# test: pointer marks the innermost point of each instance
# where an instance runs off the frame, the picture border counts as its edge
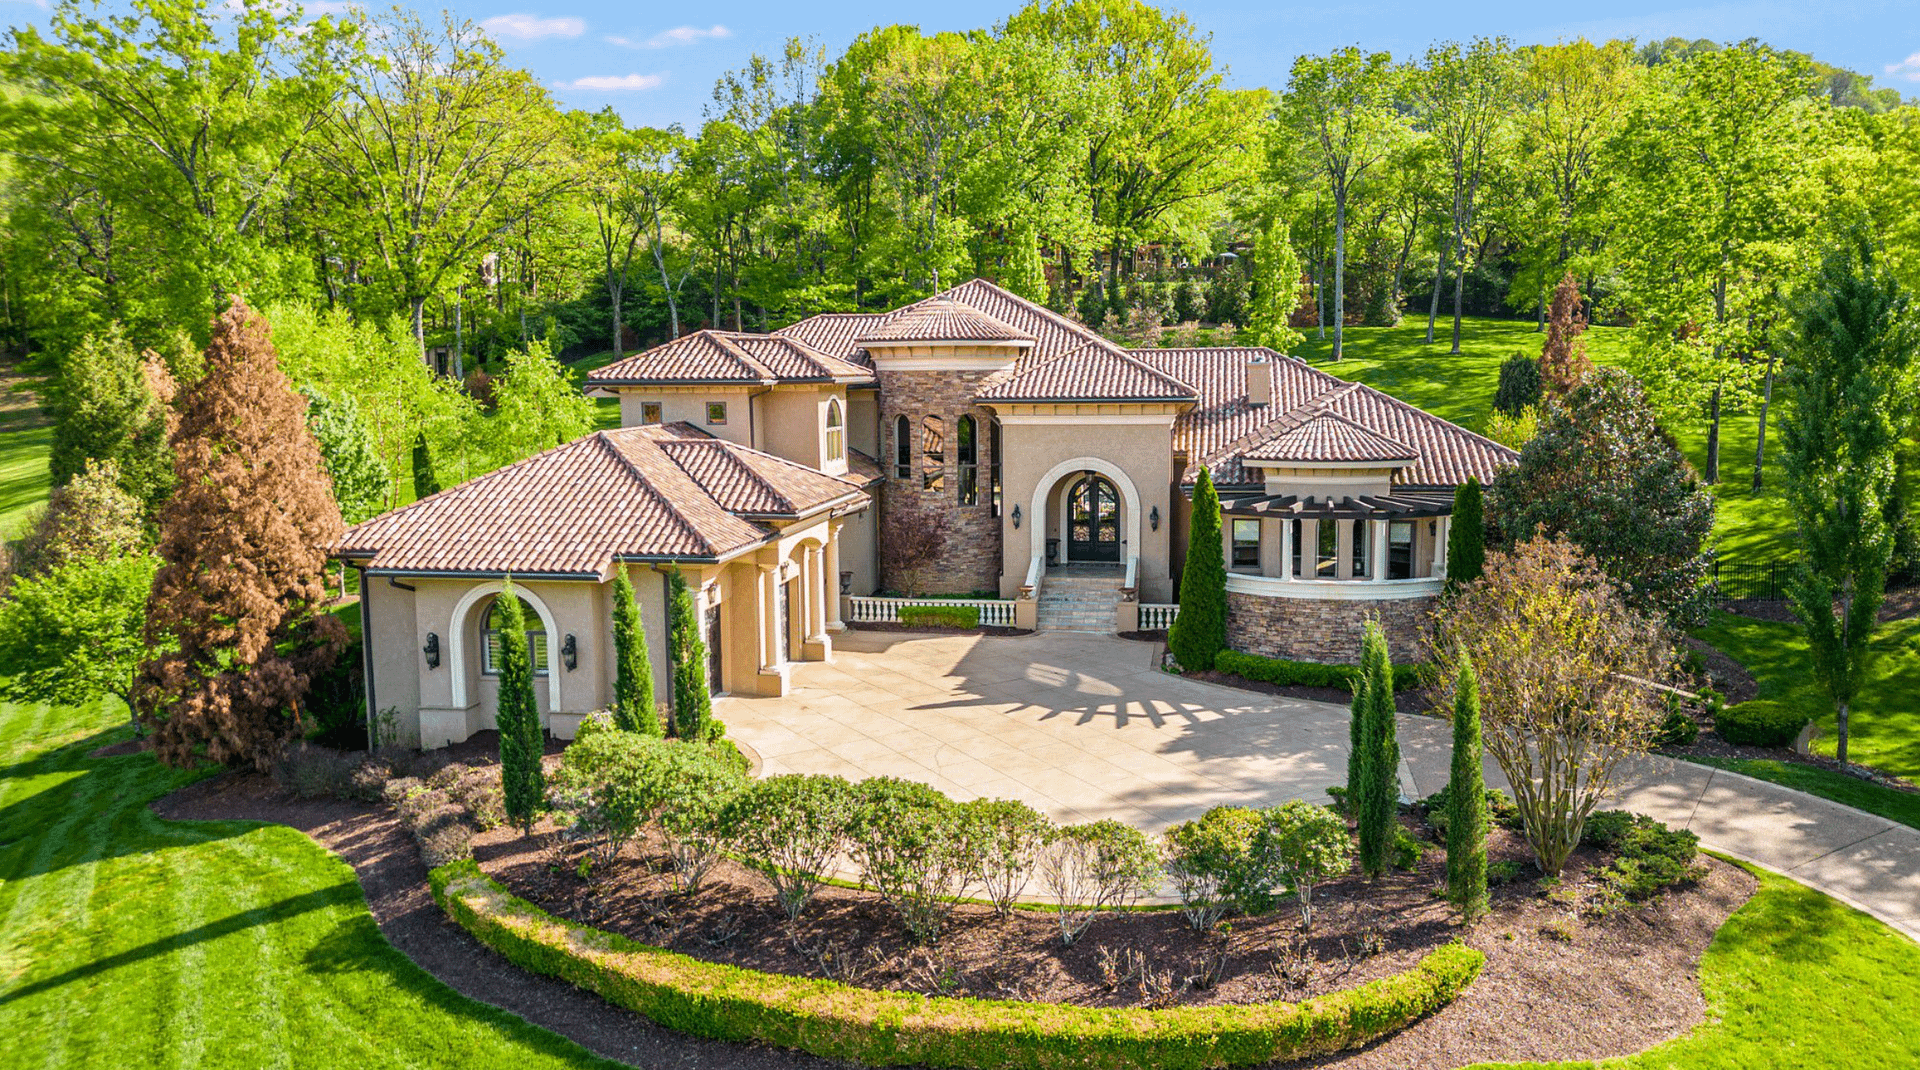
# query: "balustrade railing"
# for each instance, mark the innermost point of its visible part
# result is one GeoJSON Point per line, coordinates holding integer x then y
{"type": "Point", "coordinates": [994, 612]}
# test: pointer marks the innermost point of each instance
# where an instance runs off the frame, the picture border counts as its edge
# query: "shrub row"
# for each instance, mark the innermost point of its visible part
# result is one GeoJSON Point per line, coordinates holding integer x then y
{"type": "Point", "coordinates": [885, 1028]}
{"type": "Point", "coordinates": [1306, 673]}
{"type": "Point", "coordinates": [940, 616]}
{"type": "Point", "coordinates": [1760, 723]}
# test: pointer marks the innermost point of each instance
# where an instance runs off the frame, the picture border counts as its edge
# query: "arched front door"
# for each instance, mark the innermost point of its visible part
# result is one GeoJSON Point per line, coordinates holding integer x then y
{"type": "Point", "coordinates": [1093, 520]}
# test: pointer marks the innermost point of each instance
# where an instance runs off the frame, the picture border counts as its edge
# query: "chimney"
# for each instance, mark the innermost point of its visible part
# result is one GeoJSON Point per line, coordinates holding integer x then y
{"type": "Point", "coordinates": [1259, 381]}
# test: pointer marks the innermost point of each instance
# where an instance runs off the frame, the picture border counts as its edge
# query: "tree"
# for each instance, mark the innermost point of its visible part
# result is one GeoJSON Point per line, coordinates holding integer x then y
{"type": "Point", "coordinates": [436, 152]}
{"type": "Point", "coordinates": [1519, 388]}
{"type": "Point", "coordinates": [536, 405]}
{"type": "Point", "coordinates": [1564, 669]}
{"type": "Point", "coordinates": [1378, 799]}
{"type": "Point", "coordinates": [632, 183]}
{"type": "Point", "coordinates": [235, 617]}
{"type": "Point", "coordinates": [1199, 632]}
{"type": "Point", "coordinates": [692, 701]}
{"type": "Point", "coordinates": [522, 778]}
{"type": "Point", "coordinates": [1343, 104]}
{"type": "Point", "coordinates": [423, 481]}
{"type": "Point", "coordinates": [633, 707]}
{"type": "Point", "coordinates": [1850, 349]}
{"type": "Point", "coordinates": [361, 482]}
{"type": "Point", "coordinates": [1716, 178]}
{"type": "Point", "coordinates": [1460, 97]}
{"type": "Point", "coordinates": [89, 519]}
{"type": "Point", "coordinates": [104, 409]}
{"type": "Point", "coordinates": [1563, 359]}
{"type": "Point", "coordinates": [1603, 473]}
{"type": "Point", "coordinates": [1466, 535]}
{"type": "Point", "coordinates": [1467, 800]}
{"type": "Point", "coordinates": [1308, 844]}
{"type": "Point", "coordinates": [75, 631]}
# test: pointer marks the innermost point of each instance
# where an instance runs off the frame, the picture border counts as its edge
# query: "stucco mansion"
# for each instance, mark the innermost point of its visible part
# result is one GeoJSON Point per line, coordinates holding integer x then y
{"type": "Point", "coordinates": [1012, 456]}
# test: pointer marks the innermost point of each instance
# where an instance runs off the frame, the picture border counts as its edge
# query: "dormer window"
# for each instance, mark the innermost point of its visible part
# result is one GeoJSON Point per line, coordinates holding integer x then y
{"type": "Point", "coordinates": [836, 431]}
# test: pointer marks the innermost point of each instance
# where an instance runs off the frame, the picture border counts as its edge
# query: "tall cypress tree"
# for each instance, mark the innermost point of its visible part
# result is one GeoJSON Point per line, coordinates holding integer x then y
{"type": "Point", "coordinates": [1467, 802]}
{"type": "Point", "coordinates": [1853, 338]}
{"type": "Point", "coordinates": [522, 780]}
{"type": "Point", "coordinates": [633, 708]}
{"type": "Point", "coordinates": [692, 701]}
{"type": "Point", "coordinates": [1380, 768]}
{"type": "Point", "coordinates": [1199, 633]}
{"type": "Point", "coordinates": [1466, 535]}
{"type": "Point", "coordinates": [424, 482]}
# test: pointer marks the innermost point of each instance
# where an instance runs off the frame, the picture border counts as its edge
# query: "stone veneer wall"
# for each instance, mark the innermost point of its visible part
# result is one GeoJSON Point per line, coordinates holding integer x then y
{"type": "Point", "coordinates": [970, 561]}
{"type": "Point", "coordinates": [1301, 629]}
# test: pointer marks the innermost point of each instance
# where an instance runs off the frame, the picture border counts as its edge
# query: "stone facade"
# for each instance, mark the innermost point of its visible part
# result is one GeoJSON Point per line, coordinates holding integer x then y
{"type": "Point", "coordinates": [1302, 629]}
{"type": "Point", "coordinates": [970, 559]}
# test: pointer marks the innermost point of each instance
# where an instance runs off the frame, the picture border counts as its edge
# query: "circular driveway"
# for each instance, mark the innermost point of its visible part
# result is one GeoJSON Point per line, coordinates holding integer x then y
{"type": "Point", "coordinates": [1080, 727]}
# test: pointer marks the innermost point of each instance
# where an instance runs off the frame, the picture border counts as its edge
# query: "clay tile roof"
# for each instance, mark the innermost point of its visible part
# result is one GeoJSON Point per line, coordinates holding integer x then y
{"type": "Point", "coordinates": [1097, 371]}
{"type": "Point", "coordinates": [1326, 436]}
{"type": "Point", "coordinates": [1218, 430]}
{"type": "Point", "coordinates": [660, 491]}
{"type": "Point", "coordinates": [835, 333]}
{"type": "Point", "coordinates": [729, 357]}
{"type": "Point", "coordinates": [941, 319]}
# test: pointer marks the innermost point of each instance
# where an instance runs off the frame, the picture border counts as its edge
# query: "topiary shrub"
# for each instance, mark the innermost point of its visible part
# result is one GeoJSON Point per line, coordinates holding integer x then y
{"type": "Point", "coordinates": [1519, 384]}
{"type": "Point", "coordinates": [1283, 673]}
{"type": "Point", "coordinates": [1007, 837]}
{"type": "Point", "coordinates": [1095, 867]}
{"type": "Point", "coordinates": [1210, 859]}
{"type": "Point", "coordinates": [940, 616]}
{"type": "Point", "coordinates": [608, 786]}
{"type": "Point", "coordinates": [1761, 723]}
{"type": "Point", "coordinates": [788, 829]}
{"type": "Point", "coordinates": [695, 784]}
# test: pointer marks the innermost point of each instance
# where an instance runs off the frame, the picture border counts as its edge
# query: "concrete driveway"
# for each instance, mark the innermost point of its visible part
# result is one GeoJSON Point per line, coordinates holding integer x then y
{"type": "Point", "coordinates": [1078, 726]}
{"type": "Point", "coordinates": [1083, 727]}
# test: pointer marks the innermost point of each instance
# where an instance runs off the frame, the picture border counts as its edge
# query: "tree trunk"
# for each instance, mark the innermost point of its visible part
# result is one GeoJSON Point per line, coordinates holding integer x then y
{"type": "Point", "coordinates": [1320, 297]}
{"type": "Point", "coordinates": [617, 353]}
{"type": "Point", "coordinates": [1760, 449]}
{"type": "Point", "coordinates": [1842, 712]}
{"type": "Point", "coordinates": [1439, 277]}
{"type": "Point", "coordinates": [1339, 276]}
{"type": "Point", "coordinates": [1540, 314]}
{"type": "Point", "coordinates": [418, 312]}
{"type": "Point", "coordinates": [459, 331]}
{"type": "Point", "coordinates": [1459, 292]}
{"type": "Point", "coordinates": [1712, 474]}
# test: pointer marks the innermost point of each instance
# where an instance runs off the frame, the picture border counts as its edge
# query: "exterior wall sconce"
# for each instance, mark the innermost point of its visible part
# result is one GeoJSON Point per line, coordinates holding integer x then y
{"type": "Point", "coordinates": [432, 650]}
{"type": "Point", "coordinates": [570, 653]}
{"type": "Point", "coordinates": [1153, 518]}
{"type": "Point", "coordinates": [1016, 516]}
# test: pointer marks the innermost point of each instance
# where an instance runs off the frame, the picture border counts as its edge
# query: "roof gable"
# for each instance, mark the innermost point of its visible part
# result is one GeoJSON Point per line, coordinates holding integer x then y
{"type": "Point", "coordinates": [710, 356]}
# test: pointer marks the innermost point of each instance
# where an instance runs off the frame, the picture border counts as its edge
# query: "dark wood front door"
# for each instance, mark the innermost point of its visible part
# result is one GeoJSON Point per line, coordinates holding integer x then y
{"type": "Point", "coordinates": [714, 683]}
{"type": "Point", "coordinates": [1093, 520]}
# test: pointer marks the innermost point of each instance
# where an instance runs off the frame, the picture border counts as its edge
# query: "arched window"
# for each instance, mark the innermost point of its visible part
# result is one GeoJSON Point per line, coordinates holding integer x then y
{"type": "Point", "coordinates": [902, 448]}
{"type": "Point", "coordinates": [933, 453]}
{"type": "Point", "coordinates": [993, 463]}
{"type": "Point", "coordinates": [490, 638]}
{"type": "Point", "coordinates": [836, 432]}
{"type": "Point", "coordinates": [966, 446]}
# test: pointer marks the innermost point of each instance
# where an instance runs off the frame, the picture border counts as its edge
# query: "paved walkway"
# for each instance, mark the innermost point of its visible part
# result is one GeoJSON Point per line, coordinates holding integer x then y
{"type": "Point", "coordinates": [1084, 727]}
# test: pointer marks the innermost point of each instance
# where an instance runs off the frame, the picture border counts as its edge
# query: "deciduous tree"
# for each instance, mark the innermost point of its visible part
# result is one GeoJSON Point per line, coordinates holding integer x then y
{"type": "Point", "coordinates": [1563, 358]}
{"type": "Point", "coordinates": [104, 409]}
{"type": "Point", "coordinates": [235, 617]}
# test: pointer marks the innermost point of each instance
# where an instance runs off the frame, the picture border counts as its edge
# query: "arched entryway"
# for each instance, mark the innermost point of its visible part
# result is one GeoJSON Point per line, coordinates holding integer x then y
{"type": "Point", "coordinates": [1052, 510]}
{"type": "Point", "coordinates": [1093, 519]}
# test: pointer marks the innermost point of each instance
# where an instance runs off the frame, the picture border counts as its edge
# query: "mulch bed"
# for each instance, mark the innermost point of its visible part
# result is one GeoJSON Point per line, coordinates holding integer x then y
{"type": "Point", "coordinates": [1558, 983]}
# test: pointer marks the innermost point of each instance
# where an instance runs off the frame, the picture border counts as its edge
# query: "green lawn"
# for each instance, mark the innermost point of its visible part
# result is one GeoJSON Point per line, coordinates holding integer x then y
{"type": "Point", "coordinates": [1886, 720]}
{"type": "Point", "coordinates": [1460, 388]}
{"type": "Point", "coordinates": [132, 941]}
{"type": "Point", "coordinates": [23, 476]}
{"type": "Point", "coordinates": [1795, 979]}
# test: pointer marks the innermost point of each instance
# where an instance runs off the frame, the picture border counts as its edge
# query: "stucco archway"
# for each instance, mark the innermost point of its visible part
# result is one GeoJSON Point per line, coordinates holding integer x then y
{"type": "Point", "coordinates": [457, 640]}
{"type": "Point", "coordinates": [1129, 503]}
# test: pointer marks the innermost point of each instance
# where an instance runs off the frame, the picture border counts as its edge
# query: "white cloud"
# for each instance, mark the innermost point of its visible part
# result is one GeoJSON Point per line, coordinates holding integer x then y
{"type": "Point", "coordinates": [532, 27]}
{"type": "Point", "coordinates": [616, 81]}
{"type": "Point", "coordinates": [679, 35]}
{"type": "Point", "coordinates": [1908, 68]}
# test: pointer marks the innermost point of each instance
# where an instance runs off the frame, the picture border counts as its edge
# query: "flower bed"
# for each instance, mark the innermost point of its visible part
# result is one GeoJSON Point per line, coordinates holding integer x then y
{"type": "Point", "coordinates": [885, 1028]}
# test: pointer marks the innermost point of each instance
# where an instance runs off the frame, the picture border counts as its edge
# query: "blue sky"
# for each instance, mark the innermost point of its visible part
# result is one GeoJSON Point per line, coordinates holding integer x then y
{"type": "Point", "coordinates": [656, 63]}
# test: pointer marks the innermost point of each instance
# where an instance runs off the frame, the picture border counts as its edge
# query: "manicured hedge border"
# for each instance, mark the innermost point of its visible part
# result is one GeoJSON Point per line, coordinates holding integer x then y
{"type": "Point", "coordinates": [1306, 673]}
{"type": "Point", "coordinates": [898, 1028]}
{"type": "Point", "coordinates": [939, 616]}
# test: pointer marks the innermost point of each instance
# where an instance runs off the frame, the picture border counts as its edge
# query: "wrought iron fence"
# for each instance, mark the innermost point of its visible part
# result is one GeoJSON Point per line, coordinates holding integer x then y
{"type": "Point", "coordinates": [1761, 581]}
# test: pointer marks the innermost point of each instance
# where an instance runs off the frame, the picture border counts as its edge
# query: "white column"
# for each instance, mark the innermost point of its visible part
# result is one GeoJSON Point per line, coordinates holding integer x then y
{"type": "Point", "coordinates": [817, 593]}
{"type": "Point", "coordinates": [767, 591]}
{"type": "Point", "coordinates": [832, 579]}
{"type": "Point", "coordinates": [1377, 549]}
{"type": "Point", "coordinates": [1286, 549]}
{"type": "Point", "coordinates": [1444, 532]}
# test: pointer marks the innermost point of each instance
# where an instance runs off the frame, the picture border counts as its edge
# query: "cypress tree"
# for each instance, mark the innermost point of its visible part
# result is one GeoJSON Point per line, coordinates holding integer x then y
{"type": "Point", "coordinates": [1199, 633]}
{"type": "Point", "coordinates": [633, 708]}
{"type": "Point", "coordinates": [1357, 750]}
{"type": "Point", "coordinates": [1379, 785]}
{"type": "Point", "coordinates": [692, 702]}
{"type": "Point", "coordinates": [522, 780]}
{"type": "Point", "coordinates": [423, 481]}
{"type": "Point", "coordinates": [1467, 802]}
{"type": "Point", "coordinates": [1466, 535]}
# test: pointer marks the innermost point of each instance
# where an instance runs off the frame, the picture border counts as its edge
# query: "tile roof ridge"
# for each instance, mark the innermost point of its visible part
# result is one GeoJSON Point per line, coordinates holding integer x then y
{"type": "Point", "coordinates": [732, 451]}
{"type": "Point", "coordinates": [463, 485]}
{"type": "Point", "coordinates": [1064, 322]}
{"type": "Point", "coordinates": [729, 344]}
{"type": "Point", "coordinates": [1422, 414]}
{"type": "Point", "coordinates": [646, 486]}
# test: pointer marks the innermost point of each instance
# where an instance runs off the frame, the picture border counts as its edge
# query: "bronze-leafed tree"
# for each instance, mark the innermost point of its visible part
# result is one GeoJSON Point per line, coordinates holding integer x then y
{"type": "Point", "coordinates": [236, 606]}
{"type": "Point", "coordinates": [1563, 359]}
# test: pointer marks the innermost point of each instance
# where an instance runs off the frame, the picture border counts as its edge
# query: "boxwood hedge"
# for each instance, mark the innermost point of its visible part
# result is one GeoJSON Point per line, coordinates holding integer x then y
{"type": "Point", "coordinates": [940, 616]}
{"type": "Point", "coordinates": [882, 1028]}
{"type": "Point", "coordinates": [1306, 673]}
